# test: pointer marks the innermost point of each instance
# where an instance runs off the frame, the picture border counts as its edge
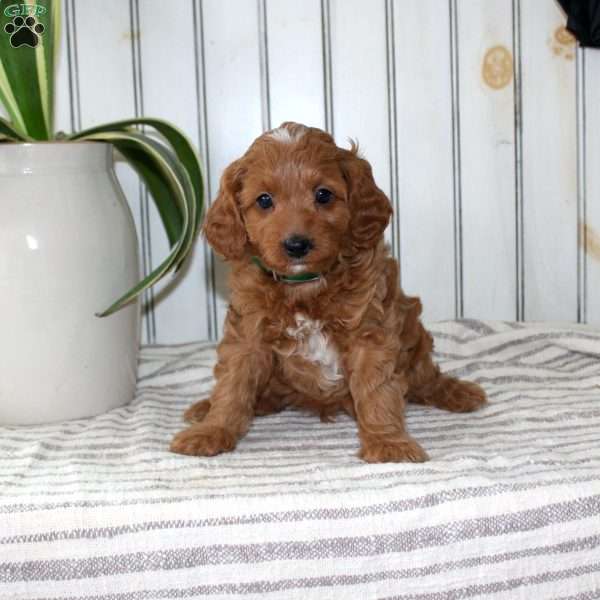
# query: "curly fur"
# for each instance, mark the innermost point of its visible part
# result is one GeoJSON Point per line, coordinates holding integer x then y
{"type": "Point", "coordinates": [351, 340]}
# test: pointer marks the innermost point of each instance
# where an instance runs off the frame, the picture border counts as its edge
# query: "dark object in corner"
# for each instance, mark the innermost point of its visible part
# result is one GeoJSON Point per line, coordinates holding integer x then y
{"type": "Point", "coordinates": [583, 20]}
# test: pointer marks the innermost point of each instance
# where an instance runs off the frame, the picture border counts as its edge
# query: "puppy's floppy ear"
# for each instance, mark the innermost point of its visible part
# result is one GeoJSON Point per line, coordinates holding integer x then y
{"type": "Point", "coordinates": [370, 209]}
{"type": "Point", "coordinates": [223, 226]}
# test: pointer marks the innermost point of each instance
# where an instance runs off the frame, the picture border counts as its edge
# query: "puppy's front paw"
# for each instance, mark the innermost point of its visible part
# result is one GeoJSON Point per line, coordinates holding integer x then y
{"type": "Point", "coordinates": [402, 450]}
{"type": "Point", "coordinates": [203, 441]}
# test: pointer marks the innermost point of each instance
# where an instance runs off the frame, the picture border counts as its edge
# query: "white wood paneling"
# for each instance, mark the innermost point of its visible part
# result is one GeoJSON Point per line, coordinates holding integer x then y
{"type": "Point", "coordinates": [424, 113]}
{"type": "Point", "coordinates": [233, 89]}
{"type": "Point", "coordinates": [549, 164]}
{"type": "Point", "coordinates": [485, 75]}
{"type": "Point", "coordinates": [591, 215]}
{"type": "Point", "coordinates": [359, 82]}
{"type": "Point", "coordinates": [105, 78]}
{"type": "Point", "coordinates": [295, 62]}
{"type": "Point", "coordinates": [495, 217]}
{"type": "Point", "coordinates": [169, 85]}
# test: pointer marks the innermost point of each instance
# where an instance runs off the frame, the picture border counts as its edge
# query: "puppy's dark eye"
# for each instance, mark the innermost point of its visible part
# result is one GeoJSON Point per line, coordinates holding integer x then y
{"type": "Point", "coordinates": [264, 201]}
{"type": "Point", "coordinates": [323, 196]}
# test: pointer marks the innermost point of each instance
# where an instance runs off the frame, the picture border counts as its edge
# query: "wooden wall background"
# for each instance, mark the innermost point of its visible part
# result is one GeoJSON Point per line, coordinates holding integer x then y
{"type": "Point", "coordinates": [481, 119]}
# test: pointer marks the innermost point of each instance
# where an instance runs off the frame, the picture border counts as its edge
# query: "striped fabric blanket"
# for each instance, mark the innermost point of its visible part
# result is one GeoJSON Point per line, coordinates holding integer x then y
{"type": "Point", "coordinates": [508, 506]}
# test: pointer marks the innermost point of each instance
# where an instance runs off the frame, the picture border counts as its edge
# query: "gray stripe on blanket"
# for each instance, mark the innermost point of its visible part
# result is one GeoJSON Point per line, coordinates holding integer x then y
{"type": "Point", "coordinates": [263, 587]}
{"type": "Point", "coordinates": [370, 545]}
{"type": "Point", "coordinates": [320, 514]}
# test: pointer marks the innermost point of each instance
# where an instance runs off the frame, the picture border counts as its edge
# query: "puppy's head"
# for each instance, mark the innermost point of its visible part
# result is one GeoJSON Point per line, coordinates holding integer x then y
{"type": "Point", "coordinates": [296, 201]}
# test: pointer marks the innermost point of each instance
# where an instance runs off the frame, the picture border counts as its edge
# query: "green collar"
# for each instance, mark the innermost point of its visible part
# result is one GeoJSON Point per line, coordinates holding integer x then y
{"type": "Point", "coordinates": [300, 278]}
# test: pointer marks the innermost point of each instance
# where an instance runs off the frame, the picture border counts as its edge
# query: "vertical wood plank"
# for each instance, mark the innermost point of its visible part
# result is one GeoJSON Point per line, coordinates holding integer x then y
{"type": "Point", "coordinates": [590, 227]}
{"type": "Point", "coordinates": [487, 147]}
{"type": "Point", "coordinates": [582, 224]}
{"type": "Point", "coordinates": [199, 50]}
{"type": "Point", "coordinates": [327, 66]}
{"type": "Point", "coordinates": [168, 77]}
{"type": "Point", "coordinates": [295, 64]}
{"type": "Point", "coordinates": [105, 83]}
{"type": "Point", "coordinates": [393, 232]}
{"type": "Point", "coordinates": [456, 164]}
{"type": "Point", "coordinates": [549, 164]}
{"type": "Point", "coordinates": [105, 77]}
{"type": "Point", "coordinates": [425, 162]}
{"type": "Point", "coordinates": [233, 91]}
{"type": "Point", "coordinates": [64, 68]}
{"type": "Point", "coordinates": [359, 80]}
{"type": "Point", "coordinates": [143, 196]}
{"type": "Point", "coordinates": [518, 129]}
{"type": "Point", "coordinates": [263, 58]}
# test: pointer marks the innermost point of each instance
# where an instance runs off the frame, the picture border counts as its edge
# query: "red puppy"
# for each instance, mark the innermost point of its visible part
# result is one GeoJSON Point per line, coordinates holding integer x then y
{"type": "Point", "coordinates": [317, 320]}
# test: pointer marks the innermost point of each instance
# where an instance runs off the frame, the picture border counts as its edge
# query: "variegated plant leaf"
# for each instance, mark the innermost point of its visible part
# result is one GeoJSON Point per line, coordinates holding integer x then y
{"type": "Point", "coordinates": [169, 188]}
{"type": "Point", "coordinates": [8, 131]}
{"type": "Point", "coordinates": [28, 46]}
{"type": "Point", "coordinates": [182, 147]}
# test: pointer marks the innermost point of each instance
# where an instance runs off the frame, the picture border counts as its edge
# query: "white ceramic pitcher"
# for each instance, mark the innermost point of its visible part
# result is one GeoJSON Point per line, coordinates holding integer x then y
{"type": "Point", "coordinates": [68, 249]}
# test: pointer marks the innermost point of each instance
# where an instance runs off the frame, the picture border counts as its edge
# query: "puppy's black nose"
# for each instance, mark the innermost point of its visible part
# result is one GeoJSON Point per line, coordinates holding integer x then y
{"type": "Point", "coordinates": [297, 246]}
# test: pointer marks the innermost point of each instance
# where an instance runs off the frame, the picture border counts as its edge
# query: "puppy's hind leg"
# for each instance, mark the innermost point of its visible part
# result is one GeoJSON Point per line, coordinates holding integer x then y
{"type": "Point", "coordinates": [427, 385]}
{"type": "Point", "coordinates": [267, 404]}
{"type": "Point", "coordinates": [273, 399]}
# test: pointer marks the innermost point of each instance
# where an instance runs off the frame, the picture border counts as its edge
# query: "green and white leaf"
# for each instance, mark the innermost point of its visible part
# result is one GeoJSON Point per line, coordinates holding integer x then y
{"type": "Point", "coordinates": [27, 74]}
{"type": "Point", "coordinates": [148, 156]}
{"type": "Point", "coordinates": [9, 132]}
{"type": "Point", "coordinates": [183, 148]}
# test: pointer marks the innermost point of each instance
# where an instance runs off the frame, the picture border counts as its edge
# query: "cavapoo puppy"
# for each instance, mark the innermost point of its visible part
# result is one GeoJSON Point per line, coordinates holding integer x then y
{"type": "Point", "coordinates": [316, 320]}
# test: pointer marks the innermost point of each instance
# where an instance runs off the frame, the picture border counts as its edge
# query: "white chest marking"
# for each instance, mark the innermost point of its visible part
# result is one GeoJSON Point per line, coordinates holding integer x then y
{"type": "Point", "coordinates": [315, 346]}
